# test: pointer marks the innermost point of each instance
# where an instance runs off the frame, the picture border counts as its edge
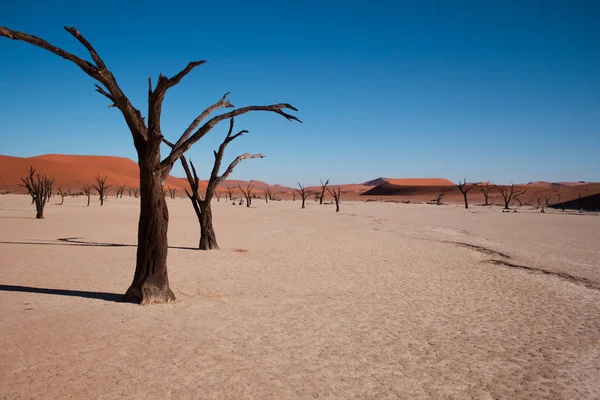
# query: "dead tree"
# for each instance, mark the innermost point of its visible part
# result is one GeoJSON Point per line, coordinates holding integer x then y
{"type": "Point", "coordinates": [62, 196]}
{"type": "Point", "coordinates": [267, 193]}
{"type": "Point", "coordinates": [172, 192]}
{"type": "Point", "coordinates": [323, 188]}
{"type": "Point", "coordinates": [229, 192]}
{"type": "Point", "coordinates": [508, 194]}
{"type": "Point", "coordinates": [438, 199]}
{"type": "Point", "coordinates": [208, 239]}
{"type": "Point", "coordinates": [150, 281]}
{"type": "Point", "coordinates": [485, 189]}
{"type": "Point", "coordinates": [38, 187]}
{"type": "Point", "coordinates": [247, 193]}
{"type": "Point", "coordinates": [129, 191]}
{"type": "Point", "coordinates": [303, 193]}
{"type": "Point", "coordinates": [101, 187]}
{"type": "Point", "coordinates": [119, 190]}
{"type": "Point", "coordinates": [293, 195]}
{"type": "Point", "coordinates": [465, 189]}
{"type": "Point", "coordinates": [87, 190]}
{"type": "Point", "coordinates": [336, 194]}
{"type": "Point", "coordinates": [218, 195]}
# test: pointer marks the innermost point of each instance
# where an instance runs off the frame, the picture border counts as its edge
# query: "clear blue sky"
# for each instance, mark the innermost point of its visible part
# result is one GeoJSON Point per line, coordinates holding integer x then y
{"type": "Point", "coordinates": [500, 90]}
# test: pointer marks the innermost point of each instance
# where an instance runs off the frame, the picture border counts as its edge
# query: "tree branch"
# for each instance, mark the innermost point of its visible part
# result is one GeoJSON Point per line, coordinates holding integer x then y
{"type": "Point", "coordinates": [73, 31]}
{"type": "Point", "coordinates": [183, 144]}
{"type": "Point", "coordinates": [235, 162]}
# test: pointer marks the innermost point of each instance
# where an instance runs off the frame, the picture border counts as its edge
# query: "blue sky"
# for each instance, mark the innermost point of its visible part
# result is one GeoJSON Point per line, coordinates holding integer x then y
{"type": "Point", "coordinates": [500, 90]}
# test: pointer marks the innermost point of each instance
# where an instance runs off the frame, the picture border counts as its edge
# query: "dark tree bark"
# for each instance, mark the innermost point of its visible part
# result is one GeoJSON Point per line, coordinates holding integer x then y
{"type": "Point", "coordinates": [508, 194]}
{"type": "Point", "coordinates": [150, 283]}
{"type": "Point", "coordinates": [303, 194]}
{"type": "Point", "coordinates": [101, 187]}
{"type": "Point", "coordinates": [336, 194]}
{"type": "Point", "coordinates": [323, 188]}
{"type": "Point", "coordinates": [247, 193]}
{"type": "Point", "coordinates": [465, 189]}
{"type": "Point", "coordinates": [38, 187]}
{"type": "Point", "coordinates": [87, 190]}
{"type": "Point", "coordinates": [485, 189]}
{"type": "Point", "coordinates": [202, 206]}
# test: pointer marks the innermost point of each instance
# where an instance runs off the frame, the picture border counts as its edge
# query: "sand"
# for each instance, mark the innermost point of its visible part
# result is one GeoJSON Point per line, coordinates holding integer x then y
{"type": "Point", "coordinates": [379, 301]}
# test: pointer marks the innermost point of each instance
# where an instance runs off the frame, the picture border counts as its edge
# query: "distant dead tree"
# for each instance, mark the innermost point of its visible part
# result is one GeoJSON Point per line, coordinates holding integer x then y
{"type": "Point", "coordinates": [101, 187]}
{"type": "Point", "coordinates": [120, 189]}
{"type": "Point", "coordinates": [172, 192]}
{"type": "Point", "coordinates": [87, 190]}
{"type": "Point", "coordinates": [218, 195]}
{"type": "Point", "coordinates": [509, 193]}
{"type": "Point", "coordinates": [485, 189]}
{"type": "Point", "coordinates": [247, 193]}
{"type": "Point", "coordinates": [62, 196]}
{"type": "Point", "coordinates": [336, 194]}
{"type": "Point", "coordinates": [438, 199]}
{"type": "Point", "coordinates": [323, 188]}
{"type": "Point", "coordinates": [38, 187]}
{"type": "Point", "coordinates": [135, 192]}
{"type": "Point", "coordinates": [150, 282]}
{"type": "Point", "coordinates": [229, 192]}
{"type": "Point", "coordinates": [293, 196]}
{"type": "Point", "coordinates": [465, 188]}
{"type": "Point", "coordinates": [303, 193]}
{"type": "Point", "coordinates": [267, 193]}
{"type": "Point", "coordinates": [270, 194]}
{"type": "Point", "coordinates": [202, 206]}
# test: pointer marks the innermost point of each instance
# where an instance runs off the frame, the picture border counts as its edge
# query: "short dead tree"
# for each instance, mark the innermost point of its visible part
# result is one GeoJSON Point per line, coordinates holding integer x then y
{"type": "Point", "coordinates": [267, 193]}
{"type": "Point", "coordinates": [485, 189]}
{"type": "Point", "coordinates": [438, 199]}
{"type": "Point", "coordinates": [336, 194]}
{"type": "Point", "coordinates": [136, 192]}
{"type": "Point", "coordinates": [62, 196]}
{"type": "Point", "coordinates": [87, 190]}
{"type": "Point", "coordinates": [229, 192]}
{"type": "Point", "coordinates": [172, 192]}
{"type": "Point", "coordinates": [202, 206]}
{"type": "Point", "coordinates": [465, 188]}
{"type": "Point", "coordinates": [270, 194]}
{"type": "Point", "coordinates": [293, 196]}
{"type": "Point", "coordinates": [218, 195]}
{"type": "Point", "coordinates": [120, 189]}
{"type": "Point", "coordinates": [247, 193]}
{"type": "Point", "coordinates": [101, 187]}
{"type": "Point", "coordinates": [323, 188]}
{"type": "Point", "coordinates": [38, 187]}
{"type": "Point", "coordinates": [509, 193]}
{"type": "Point", "coordinates": [303, 193]}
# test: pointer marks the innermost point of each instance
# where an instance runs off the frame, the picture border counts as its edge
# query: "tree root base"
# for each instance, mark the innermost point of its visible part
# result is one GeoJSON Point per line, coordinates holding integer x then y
{"type": "Point", "coordinates": [147, 295]}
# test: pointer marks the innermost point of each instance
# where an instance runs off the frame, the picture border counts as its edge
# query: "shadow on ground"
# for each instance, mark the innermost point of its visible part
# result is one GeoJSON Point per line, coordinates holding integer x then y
{"type": "Point", "coordinates": [64, 292]}
{"type": "Point", "coordinates": [76, 242]}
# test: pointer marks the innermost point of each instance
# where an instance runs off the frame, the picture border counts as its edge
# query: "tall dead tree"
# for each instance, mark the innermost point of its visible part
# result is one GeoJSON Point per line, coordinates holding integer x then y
{"type": "Point", "coordinates": [247, 193]}
{"type": "Point", "coordinates": [465, 188]}
{"type": "Point", "coordinates": [208, 239]}
{"type": "Point", "coordinates": [87, 190]}
{"type": "Point", "coordinates": [101, 187]}
{"type": "Point", "coordinates": [323, 188]}
{"type": "Point", "coordinates": [303, 193]}
{"type": "Point", "coordinates": [150, 281]}
{"type": "Point", "coordinates": [38, 187]}
{"type": "Point", "coordinates": [485, 189]}
{"type": "Point", "coordinates": [267, 193]}
{"type": "Point", "coordinates": [336, 194]}
{"type": "Point", "coordinates": [508, 193]}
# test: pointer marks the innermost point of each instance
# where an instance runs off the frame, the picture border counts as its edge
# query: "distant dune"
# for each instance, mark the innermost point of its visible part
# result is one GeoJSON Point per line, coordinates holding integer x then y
{"type": "Point", "coordinates": [72, 172]}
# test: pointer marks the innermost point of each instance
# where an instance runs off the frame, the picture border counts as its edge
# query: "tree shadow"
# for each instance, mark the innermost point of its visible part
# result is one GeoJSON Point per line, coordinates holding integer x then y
{"type": "Point", "coordinates": [77, 242]}
{"type": "Point", "coordinates": [114, 297]}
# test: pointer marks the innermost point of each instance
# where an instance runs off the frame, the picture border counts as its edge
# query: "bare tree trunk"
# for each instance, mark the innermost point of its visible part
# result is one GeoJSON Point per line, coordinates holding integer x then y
{"type": "Point", "coordinates": [208, 239]}
{"type": "Point", "coordinates": [88, 196]}
{"type": "Point", "coordinates": [303, 201]}
{"type": "Point", "coordinates": [150, 281]}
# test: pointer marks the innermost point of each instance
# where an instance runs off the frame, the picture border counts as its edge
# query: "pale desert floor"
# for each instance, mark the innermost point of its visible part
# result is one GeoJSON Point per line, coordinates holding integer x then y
{"type": "Point", "coordinates": [375, 302]}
